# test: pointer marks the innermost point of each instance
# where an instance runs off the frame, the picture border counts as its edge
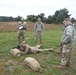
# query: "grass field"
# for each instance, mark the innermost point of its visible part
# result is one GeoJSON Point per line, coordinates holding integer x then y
{"type": "Point", "coordinates": [10, 65]}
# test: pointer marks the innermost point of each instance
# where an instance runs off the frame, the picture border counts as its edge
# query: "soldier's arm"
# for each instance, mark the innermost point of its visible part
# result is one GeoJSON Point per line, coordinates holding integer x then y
{"type": "Point", "coordinates": [35, 26]}
{"type": "Point", "coordinates": [69, 33]}
{"type": "Point", "coordinates": [26, 24]}
{"type": "Point", "coordinates": [42, 27]}
{"type": "Point", "coordinates": [27, 49]}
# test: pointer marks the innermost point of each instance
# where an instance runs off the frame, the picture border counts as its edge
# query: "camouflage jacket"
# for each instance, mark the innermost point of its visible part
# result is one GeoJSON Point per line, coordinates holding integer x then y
{"type": "Point", "coordinates": [22, 25]}
{"type": "Point", "coordinates": [68, 35]}
{"type": "Point", "coordinates": [39, 26]}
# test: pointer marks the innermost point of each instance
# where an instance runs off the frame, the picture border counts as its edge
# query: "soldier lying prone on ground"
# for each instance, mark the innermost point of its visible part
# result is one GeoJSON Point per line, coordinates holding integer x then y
{"type": "Point", "coordinates": [25, 49]}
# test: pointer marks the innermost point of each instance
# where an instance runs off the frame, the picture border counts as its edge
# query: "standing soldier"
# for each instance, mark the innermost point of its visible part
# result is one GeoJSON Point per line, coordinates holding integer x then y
{"type": "Point", "coordinates": [39, 27]}
{"type": "Point", "coordinates": [67, 43]}
{"type": "Point", "coordinates": [22, 27]}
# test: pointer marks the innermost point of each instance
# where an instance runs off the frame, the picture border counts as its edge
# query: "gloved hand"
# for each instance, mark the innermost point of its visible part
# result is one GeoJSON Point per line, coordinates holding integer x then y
{"type": "Point", "coordinates": [18, 46]}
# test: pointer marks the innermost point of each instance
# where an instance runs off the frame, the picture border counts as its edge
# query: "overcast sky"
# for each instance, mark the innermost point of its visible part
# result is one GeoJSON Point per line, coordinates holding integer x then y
{"type": "Point", "coordinates": [29, 7]}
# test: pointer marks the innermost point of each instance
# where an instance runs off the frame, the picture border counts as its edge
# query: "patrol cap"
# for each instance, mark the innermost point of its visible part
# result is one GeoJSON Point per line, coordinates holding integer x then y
{"type": "Point", "coordinates": [39, 19]}
{"type": "Point", "coordinates": [22, 18]}
{"type": "Point", "coordinates": [23, 43]}
{"type": "Point", "coordinates": [66, 19]}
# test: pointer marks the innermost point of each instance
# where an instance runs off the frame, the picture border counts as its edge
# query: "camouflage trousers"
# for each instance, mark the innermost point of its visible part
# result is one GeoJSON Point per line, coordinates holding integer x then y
{"type": "Point", "coordinates": [39, 34]}
{"type": "Point", "coordinates": [21, 33]}
{"type": "Point", "coordinates": [66, 54]}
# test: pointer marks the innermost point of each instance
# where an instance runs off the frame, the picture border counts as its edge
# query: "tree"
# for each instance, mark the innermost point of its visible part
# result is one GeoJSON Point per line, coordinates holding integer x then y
{"type": "Point", "coordinates": [18, 18]}
{"type": "Point", "coordinates": [60, 15]}
{"type": "Point", "coordinates": [33, 18]}
{"type": "Point", "coordinates": [0, 19]}
{"type": "Point", "coordinates": [49, 20]}
{"type": "Point", "coordinates": [41, 15]}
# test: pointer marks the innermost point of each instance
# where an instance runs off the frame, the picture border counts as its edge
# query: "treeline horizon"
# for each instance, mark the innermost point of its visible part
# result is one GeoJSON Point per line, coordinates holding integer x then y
{"type": "Point", "coordinates": [58, 17]}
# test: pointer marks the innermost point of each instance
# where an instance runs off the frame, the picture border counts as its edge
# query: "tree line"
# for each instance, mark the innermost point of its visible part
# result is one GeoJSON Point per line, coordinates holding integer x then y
{"type": "Point", "coordinates": [9, 19]}
{"type": "Point", "coordinates": [58, 17]}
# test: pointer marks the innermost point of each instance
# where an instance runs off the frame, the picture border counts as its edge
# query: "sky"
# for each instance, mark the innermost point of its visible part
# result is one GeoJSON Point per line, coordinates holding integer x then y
{"type": "Point", "coordinates": [23, 8]}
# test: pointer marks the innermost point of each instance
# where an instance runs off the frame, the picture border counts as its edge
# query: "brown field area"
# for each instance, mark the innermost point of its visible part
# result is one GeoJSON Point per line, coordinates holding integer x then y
{"type": "Point", "coordinates": [12, 26]}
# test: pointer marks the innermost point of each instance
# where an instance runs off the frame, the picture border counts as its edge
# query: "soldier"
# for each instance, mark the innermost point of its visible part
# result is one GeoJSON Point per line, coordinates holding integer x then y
{"type": "Point", "coordinates": [39, 27]}
{"type": "Point", "coordinates": [25, 48]}
{"type": "Point", "coordinates": [67, 43]}
{"type": "Point", "coordinates": [22, 26]}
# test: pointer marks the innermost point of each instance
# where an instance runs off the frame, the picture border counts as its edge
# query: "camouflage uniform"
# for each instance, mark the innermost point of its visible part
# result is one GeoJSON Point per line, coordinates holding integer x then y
{"type": "Point", "coordinates": [67, 43]}
{"type": "Point", "coordinates": [39, 27]}
{"type": "Point", "coordinates": [28, 49]}
{"type": "Point", "coordinates": [21, 30]}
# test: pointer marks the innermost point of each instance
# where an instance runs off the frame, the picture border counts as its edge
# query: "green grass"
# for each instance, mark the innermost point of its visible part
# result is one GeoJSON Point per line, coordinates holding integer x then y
{"type": "Point", "coordinates": [48, 60]}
